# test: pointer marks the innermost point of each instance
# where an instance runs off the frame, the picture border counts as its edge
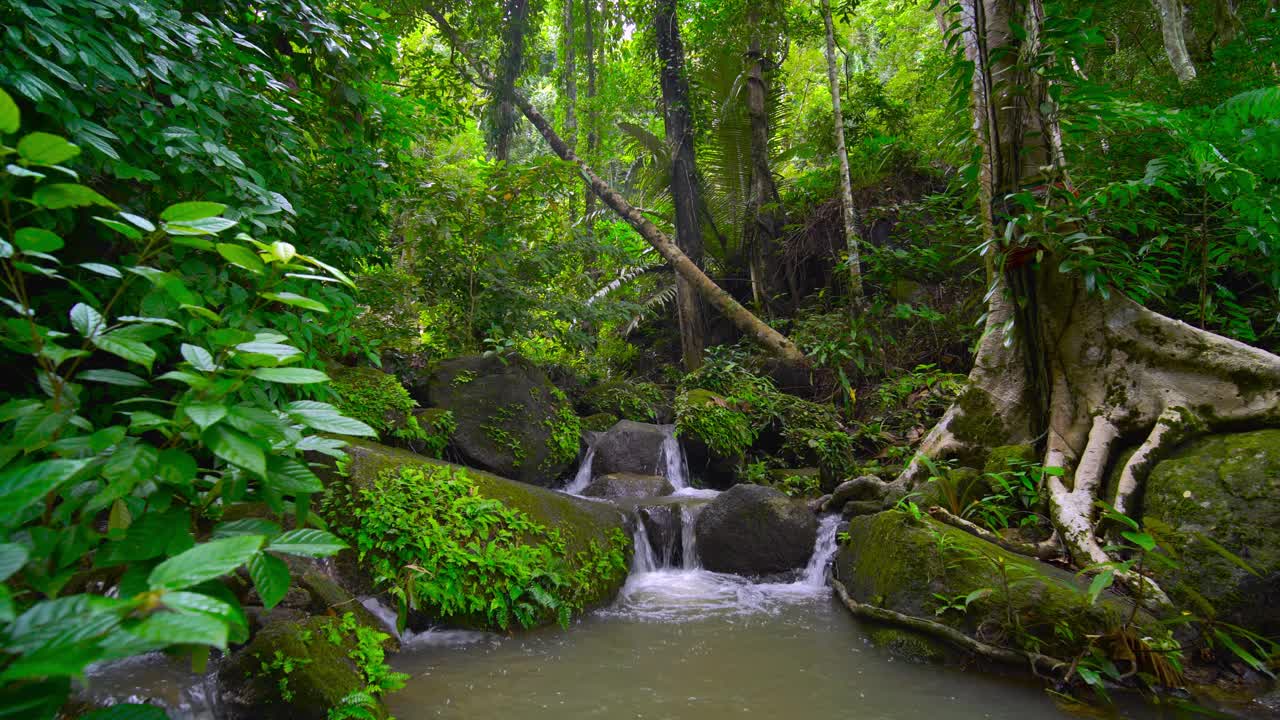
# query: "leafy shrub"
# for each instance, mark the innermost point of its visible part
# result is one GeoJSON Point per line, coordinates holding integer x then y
{"type": "Point", "coordinates": [378, 400]}
{"type": "Point", "coordinates": [566, 432]}
{"type": "Point", "coordinates": [139, 401]}
{"type": "Point", "coordinates": [710, 418]}
{"type": "Point", "coordinates": [435, 542]}
{"type": "Point", "coordinates": [628, 400]}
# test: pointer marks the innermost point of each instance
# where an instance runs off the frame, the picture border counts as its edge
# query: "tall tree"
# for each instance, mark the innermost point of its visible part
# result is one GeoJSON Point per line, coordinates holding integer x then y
{"type": "Point", "coordinates": [678, 119]}
{"type": "Point", "coordinates": [1173, 28]}
{"type": "Point", "coordinates": [591, 13]}
{"type": "Point", "coordinates": [850, 213]}
{"type": "Point", "coordinates": [510, 63]}
{"type": "Point", "coordinates": [1083, 369]}
{"type": "Point", "coordinates": [570, 80]}
{"type": "Point", "coordinates": [750, 325]}
{"type": "Point", "coordinates": [764, 209]}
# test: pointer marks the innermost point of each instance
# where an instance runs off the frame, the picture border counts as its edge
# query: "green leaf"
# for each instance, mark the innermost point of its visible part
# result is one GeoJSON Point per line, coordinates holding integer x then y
{"type": "Point", "coordinates": [1249, 658]}
{"type": "Point", "coordinates": [20, 171]}
{"type": "Point", "coordinates": [12, 557]}
{"type": "Point", "coordinates": [194, 603]}
{"type": "Point", "coordinates": [199, 358]}
{"type": "Point", "coordinates": [246, 526]}
{"type": "Point", "coordinates": [10, 117]}
{"type": "Point", "coordinates": [290, 477]}
{"type": "Point", "coordinates": [128, 711]}
{"type": "Point", "coordinates": [1101, 582]}
{"type": "Point", "coordinates": [135, 351]}
{"type": "Point", "coordinates": [241, 257]}
{"type": "Point", "coordinates": [307, 543]}
{"type": "Point", "coordinates": [68, 195]}
{"type": "Point", "coordinates": [187, 211]}
{"type": "Point", "coordinates": [101, 269]}
{"type": "Point", "coordinates": [32, 239]}
{"type": "Point", "coordinates": [270, 577]}
{"type": "Point", "coordinates": [40, 148]}
{"type": "Point", "coordinates": [19, 487]}
{"type": "Point", "coordinates": [205, 414]}
{"type": "Point", "coordinates": [1141, 539]}
{"type": "Point", "coordinates": [203, 312]}
{"type": "Point", "coordinates": [291, 376]}
{"type": "Point", "coordinates": [236, 449]}
{"type": "Point", "coordinates": [207, 226]}
{"type": "Point", "coordinates": [138, 221]}
{"type": "Point", "coordinates": [275, 350]}
{"type": "Point", "coordinates": [86, 320]}
{"type": "Point", "coordinates": [204, 562]}
{"type": "Point", "coordinates": [327, 418]}
{"type": "Point", "coordinates": [297, 300]}
{"type": "Point", "coordinates": [112, 377]}
{"type": "Point", "coordinates": [126, 230]}
{"type": "Point", "coordinates": [169, 628]}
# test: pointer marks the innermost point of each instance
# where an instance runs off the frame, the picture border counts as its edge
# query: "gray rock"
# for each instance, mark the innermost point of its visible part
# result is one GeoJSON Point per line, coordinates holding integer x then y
{"type": "Point", "coordinates": [629, 447]}
{"type": "Point", "coordinates": [866, 487]}
{"type": "Point", "coordinates": [755, 530]}
{"type": "Point", "coordinates": [630, 485]}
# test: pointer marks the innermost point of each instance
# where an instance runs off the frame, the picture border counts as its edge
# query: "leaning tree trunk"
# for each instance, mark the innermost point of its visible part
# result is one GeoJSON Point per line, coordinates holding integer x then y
{"type": "Point", "coordinates": [1173, 28]}
{"type": "Point", "coordinates": [1087, 374]}
{"type": "Point", "coordinates": [764, 215]}
{"type": "Point", "coordinates": [593, 136]}
{"type": "Point", "coordinates": [769, 339]}
{"type": "Point", "coordinates": [684, 184]}
{"type": "Point", "coordinates": [852, 221]}
{"type": "Point", "coordinates": [570, 84]}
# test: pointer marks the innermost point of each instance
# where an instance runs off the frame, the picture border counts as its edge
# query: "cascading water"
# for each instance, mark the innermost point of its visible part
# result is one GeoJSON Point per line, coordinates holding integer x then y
{"type": "Point", "coordinates": [672, 461]}
{"type": "Point", "coordinates": [815, 573]}
{"type": "Point", "coordinates": [643, 559]}
{"type": "Point", "coordinates": [688, 539]}
{"type": "Point", "coordinates": [583, 477]}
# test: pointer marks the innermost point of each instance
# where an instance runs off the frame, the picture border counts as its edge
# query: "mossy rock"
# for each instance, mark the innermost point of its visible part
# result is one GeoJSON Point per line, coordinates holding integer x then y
{"type": "Point", "coordinates": [715, 436]}
{"type": "Point", "coordinates": [1009, 457]}
{"type": "Point", "coordinates": [955, 490]}
{"type": "Point", "coordinates": [628, 400]}
{"type": "Point", "coordinates": [599, 422]}
{"type": "Point", "coordinates": [373, 397]}
{"type": "Point", "coordinates": [755, 530]}
{"type": "Point", "coordinates": [896, 562]}
{"type": "Point", "coordinates": [1221, 490]}
{"type": "Point", "coordinates": [910, 646]}
{"type": "Point", "coordinates": [579, 522]}
{"type": "Point", "coordinates": [628, 485]}
{"type": "Point", "coordinates": [289, 671]}
{"type": "Point", "coordinates": [511, 420]}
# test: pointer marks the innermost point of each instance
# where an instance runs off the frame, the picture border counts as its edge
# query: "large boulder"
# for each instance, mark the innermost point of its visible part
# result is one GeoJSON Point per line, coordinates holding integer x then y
{"type": "Point", "coordinates": [630, 447]}
{"type": "Point", "coordinates": [510, 419]}
{"type": "Point", "coordinates": [894, 561]}
{"type": "Point", "coordinates": [755, 530]}
{"type": "Point", "coordinates": [1221, 492]}
{"type": "Point", "coordinates": [628, 485]}
{"type": "Point", "coordinates": [590, 530]}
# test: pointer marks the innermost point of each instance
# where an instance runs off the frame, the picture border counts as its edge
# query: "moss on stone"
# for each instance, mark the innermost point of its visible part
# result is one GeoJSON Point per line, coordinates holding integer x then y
{"type": "Point", "coordinates": [628, 400]}
{"type": "Point", "coordinates": [1009, 457]}
{"type": "Point", "coordinates": [977, 423]}
{"type": "Point", "coordinates": [929, 559]}
{"type": "Point", "coordinates": [599, 422]}
{"type": "Point", "coordinates": [373, 397]}
{"type": "Point", "coordinates": [709, 418]}
{"type": "Point", "coordinates": [909, 646]}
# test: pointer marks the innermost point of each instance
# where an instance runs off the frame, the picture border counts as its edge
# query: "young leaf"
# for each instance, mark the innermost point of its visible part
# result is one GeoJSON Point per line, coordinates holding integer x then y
{"type": "Point", "coordinates": [41, 148]}
{"type": "Point", "coordinates": [204, 562]}
{"type": "Point", "coordinates": [270, 577]}
{"type": "Point", "coordinates": [10, 117]}
{"type": "Point", "coordinates": [205, 414]}
{"type": "Point", "coordinates": [1141, 539]}
{"type": "Point", "coordinates": [1101, 582]}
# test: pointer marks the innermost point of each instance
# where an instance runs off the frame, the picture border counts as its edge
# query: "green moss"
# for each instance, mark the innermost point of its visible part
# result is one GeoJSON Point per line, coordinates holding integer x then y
{"type": "Point", "coordinates": [503, 437]}
{"type": "Point", "coordinates": [376, 399]}
{"type": "Point", "coordinates": [627, 399]}
{"type": "Point", "coordinates": [541, 555]}
{"type": "Point", "coordinates": [565, 437]}
{"type": "Point", "coordinates": [910, 646]}
{"type": "Point", "coordinates": [797, 483]}
{"type": "Point", "coordinates": [977, 423]}
{"type": "Point", "coordinates": [599, 422]}
{"type": "Point", "coordinates": [1007, 458]}
{"type": "Point", "coordinates": [709, 417]}
{"type": "Point", "coordinates": [434, 428]}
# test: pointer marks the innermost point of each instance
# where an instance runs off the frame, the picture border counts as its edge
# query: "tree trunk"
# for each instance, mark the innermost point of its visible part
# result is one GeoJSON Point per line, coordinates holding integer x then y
{"type": "Point", "coordinates": [516, 17]}
{"type": "Point", "coordinates": [684, 185]}
{"type": "Point", "coordinates": [750, 325]}
{"type": "Point", "coordinates": [852, 219]}
{"type": "Point", "coordinates": [1173, 28]}
{"type": "Point", "coordinates": [570, 85]}
{"type": "Point", "coordinates": [1091, 370]}
{"type": "Point", "coordinates": [593, 138]}
{"type": "Point", "coordinates": [764, 216]}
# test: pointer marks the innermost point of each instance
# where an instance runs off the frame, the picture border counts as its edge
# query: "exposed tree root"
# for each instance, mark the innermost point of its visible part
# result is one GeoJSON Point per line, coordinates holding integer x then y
{"type": "Point", "coordinates": [1118, 374]}
{"type": "Point", "coordinates": [1042, 665]}
{"type": "Point", "coordinates": [1044, 550]}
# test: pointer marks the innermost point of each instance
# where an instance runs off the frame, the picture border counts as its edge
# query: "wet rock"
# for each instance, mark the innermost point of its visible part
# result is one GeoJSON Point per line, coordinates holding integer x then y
{"type": "Point", "coordinates": [755, 530]}
{"type": "Point", "coordinates": [910, 646]}
{"type": "Point", "coordinates": [664, 526]}
{"type": "Point", "coordinates": [895, 562]}
{"type": "Point", "coordinates": [615, 485]}
{"type": "Point", "coordinates": [865, 488]}
{"type": "Point", "coordinates": [289, 671]}
{"type": "Point", "coordinates": [1221, 490]}
{"type": "Point", "coordinates": [855, 508]}
{"type": "Point", "coordinates": [630, 447]}
{"type": "Point", "coordinates": [511, 420]}
{"type": "Point", "coordinates": [328, 597]}
{"type": "Point", "coordinates": [598, 422]}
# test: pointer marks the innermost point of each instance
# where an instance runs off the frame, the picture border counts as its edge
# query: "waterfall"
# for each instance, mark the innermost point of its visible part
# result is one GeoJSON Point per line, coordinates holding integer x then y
{"type": "Point", "coordinates": [671, 460]}
{"type": "Point", "coordinates": [643, 560]}
{"type": "Point", "coordinates": [823, 550]}
{"type": "Point", "coordinates": [688, 540]}
{"type": "Point", "coordinates": [583, 478]}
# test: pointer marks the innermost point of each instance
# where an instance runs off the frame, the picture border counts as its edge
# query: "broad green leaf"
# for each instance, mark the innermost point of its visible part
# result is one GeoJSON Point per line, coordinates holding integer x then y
{"type": "Point", "coordinates": [20, 171]}
{"type": "Point", "coordinates": [297, 300]}
{"type": "Point", "coordinates": [203, 312]}
{"type": "Point", "coordinates": [12, 557]}
{"type": "Point", "coordinates": [1141, 539]}
{"type": "Point", "coordinates": [246, 526]}
{"type": "Point", "coordinates": [68, 195]}
{"type": "Point", "coordinates": [241, 256]}
{"type": "Point", "coordinates": [235, 448]}
{"type": "Point", "coordinates": [205, 414]}
{"type": "Point", "coordinates": [199, 358]}
{"type": "Point", "coordinates": [327, 418]}
{"type": "Point", "coordinates": [112, 377]}
{"type": "Point", "coordinates": [204, 562]}
{"type": "Point", "coordinates": [207, 226]}
{"type": "Point", "coordinates": [194, 603]}
{"type": "Point", "coordinates": [101, 269]}
{"type": "Point", "coordinates": [171, 628]}
{"type": "Point", "coordinates": [31, 239]}
{"type": "Point", "coordinates": [275, 350]}
{"type": "Point", "coordinates": [40, 148]}
{"type": "Point", "coordinates": [10, 117]}
{"type": "Point", "coordinates": [128, 711]}
{"type": "Point", "coordinates": [134, 351]}
{"type": "Point", "coordinates": [291, 477]}
{"type": "Point", "coordinates": [335, 272]}
{"type": "Point", "coordinates": [291, 376]}
{"type": "Point", "coordinates": [270, 577]}
{"type": "Point", "coordinates": [140, 222]}
{"type": "Point", "coordinates": [22, 486]}
{"type": "Point", "coordinates": [187, 211]}
{"type": "Point", "coordinates": [283, 251]}
{"type": "Point", "coordinates": [124, 229]}
{"type": "Point", "coordinates": [308, 543]}
{"type": "Point", "coordinates": [86, 320]}
{"type": "Point", "coordinates": [1100, 582]}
